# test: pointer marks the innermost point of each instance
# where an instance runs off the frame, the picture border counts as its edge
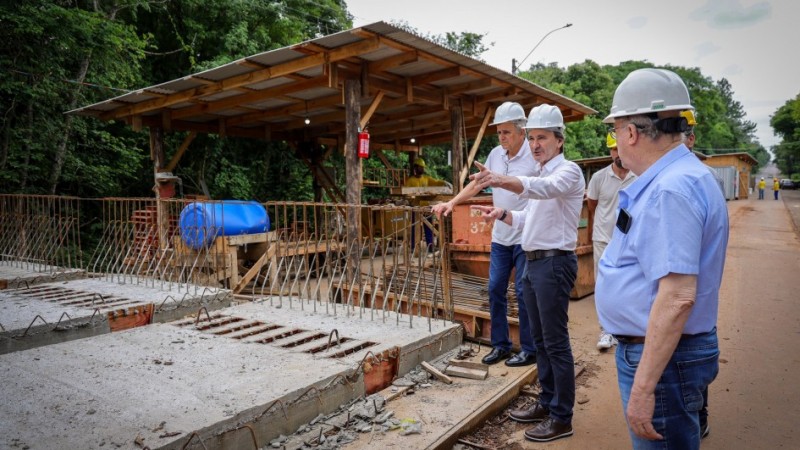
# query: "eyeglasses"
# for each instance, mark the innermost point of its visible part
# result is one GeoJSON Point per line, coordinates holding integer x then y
{"type": "Point", "coordinates": [613, 129]}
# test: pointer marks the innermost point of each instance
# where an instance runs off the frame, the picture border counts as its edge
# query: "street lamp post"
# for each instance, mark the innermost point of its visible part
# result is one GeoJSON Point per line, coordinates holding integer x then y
{"type": "Point", "coordinates": [515, 66]}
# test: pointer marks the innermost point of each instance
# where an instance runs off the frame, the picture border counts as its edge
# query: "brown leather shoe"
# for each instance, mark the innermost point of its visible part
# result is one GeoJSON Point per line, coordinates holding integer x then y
{"type": "Point", "coordinates": [549, 430]}
{"type": "Point", "coordinates": [535, 413]}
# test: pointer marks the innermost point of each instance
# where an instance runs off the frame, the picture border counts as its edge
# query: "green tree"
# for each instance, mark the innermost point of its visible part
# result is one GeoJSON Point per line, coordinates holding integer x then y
{"type": "Point", "coordinates": [786, 123]}
{"type": "Point", "coordinates": [57, 56]}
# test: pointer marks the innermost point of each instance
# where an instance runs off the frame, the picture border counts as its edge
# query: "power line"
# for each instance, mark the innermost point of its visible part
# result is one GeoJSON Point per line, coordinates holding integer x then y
{"type": "Point", "coordinates": [66, 80]}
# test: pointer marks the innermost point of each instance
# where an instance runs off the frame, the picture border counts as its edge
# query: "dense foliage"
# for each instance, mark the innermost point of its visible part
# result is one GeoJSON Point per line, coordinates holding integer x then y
{"type": "Point", "coordinates": [786, 123]}
{"type": "Point", "coordinates": [57, 55]}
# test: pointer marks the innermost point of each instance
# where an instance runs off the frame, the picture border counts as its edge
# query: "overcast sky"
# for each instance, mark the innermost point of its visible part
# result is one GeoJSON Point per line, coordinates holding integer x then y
{"type": "Point", "coordinates": [753, 44]}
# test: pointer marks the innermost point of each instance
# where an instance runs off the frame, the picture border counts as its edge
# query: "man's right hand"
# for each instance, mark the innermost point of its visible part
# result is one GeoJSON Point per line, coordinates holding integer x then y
{"type": "Point", "coordinates": [442, 209]}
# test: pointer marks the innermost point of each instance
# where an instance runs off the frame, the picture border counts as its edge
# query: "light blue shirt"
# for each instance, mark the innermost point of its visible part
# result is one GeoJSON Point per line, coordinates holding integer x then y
{"type": "Point", "coordinates": [679, 225]}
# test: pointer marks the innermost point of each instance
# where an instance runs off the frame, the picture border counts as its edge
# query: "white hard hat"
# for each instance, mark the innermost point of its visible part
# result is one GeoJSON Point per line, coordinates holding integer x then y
{"type": "Point", "coordinates": [508, 112]}
{"type": "Point", "coordinates": [547, 117]}
{"type": "Point", "coordinates": [646, 91]}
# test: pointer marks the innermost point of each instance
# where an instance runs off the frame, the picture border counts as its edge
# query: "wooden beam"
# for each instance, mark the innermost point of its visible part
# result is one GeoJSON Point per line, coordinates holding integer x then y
{"type": "Point", "coordinates": [458, 141]}
{"type": "Point", "coordinates": [250, 97]}
{"type": "Point", "coordinates": [424, 55]}
{"type": "Point", "coordinates": [392, 62]}
{"type": "Point", "coordinates": [255, 269]}
{"type": "Point", "coordinates": [495, 96]}
{"type": "Point", "coordinates": [307, 62]}
{"type": "Point", "coordinates": [332, 71]}
{"type": "Point", "coordinates": [210, 128]}
{"type": "Point", "coordinates": [178, 154]}
{"type": "Point", "coordinates": [352, 95]}
{"type": "Point", "coordinates": [371, 110]}
{"type": "Point", "coordinates": [297, 108]}
{"type": "Point", "coordinates": [166, 120]}
{"type": "Point", "coordinates": [436, 373]}
{"type": "Point", "coordinates": [379, 153]}
{"type": "Point", "coordinates": [431, 77]}
{"type": "Point", "coordinates": [474, 150]}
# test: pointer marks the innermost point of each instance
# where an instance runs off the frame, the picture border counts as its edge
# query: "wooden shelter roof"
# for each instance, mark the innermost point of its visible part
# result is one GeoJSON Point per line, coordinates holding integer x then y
{"type": "Point", "coordinates": [408, 86]}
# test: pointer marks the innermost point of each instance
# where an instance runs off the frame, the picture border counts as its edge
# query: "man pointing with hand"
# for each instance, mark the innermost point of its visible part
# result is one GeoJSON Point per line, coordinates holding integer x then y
{"type": "Point", "coordinates": [549, 225]}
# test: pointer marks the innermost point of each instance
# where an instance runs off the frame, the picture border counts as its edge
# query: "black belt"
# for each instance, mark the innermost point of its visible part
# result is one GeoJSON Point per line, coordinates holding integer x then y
{"type": "Point", "coordinates": [640, 339]}
{"type": "Point", "coordinates": [539, 254]}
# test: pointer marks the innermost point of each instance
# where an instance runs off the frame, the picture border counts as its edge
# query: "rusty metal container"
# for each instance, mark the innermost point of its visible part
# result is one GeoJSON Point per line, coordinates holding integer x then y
{"type": "Point", "coordinates": [471, 239]}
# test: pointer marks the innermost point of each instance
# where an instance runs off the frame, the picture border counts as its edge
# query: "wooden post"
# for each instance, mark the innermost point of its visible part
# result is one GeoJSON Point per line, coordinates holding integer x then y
{"type": "Point", "coordinates": [456, 119]}
{"type": "Point", "coordinates": [352, 101]}
{"type": "Point", "coordinates": [158, 157]}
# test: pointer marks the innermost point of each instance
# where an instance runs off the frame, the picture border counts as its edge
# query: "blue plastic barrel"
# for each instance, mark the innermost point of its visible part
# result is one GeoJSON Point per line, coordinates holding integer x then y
{"type": "Point", "coordinates": [201, 223]}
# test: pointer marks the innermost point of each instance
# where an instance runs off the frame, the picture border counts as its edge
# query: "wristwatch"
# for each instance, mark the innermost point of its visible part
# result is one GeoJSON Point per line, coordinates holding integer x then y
{"type": "Point", "coordinates": [505, 213]}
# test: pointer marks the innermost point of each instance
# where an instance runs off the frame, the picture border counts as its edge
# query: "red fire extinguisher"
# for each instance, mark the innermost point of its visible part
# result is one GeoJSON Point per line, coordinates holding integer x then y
{"type": "Point", "coordinates": [363, 144]}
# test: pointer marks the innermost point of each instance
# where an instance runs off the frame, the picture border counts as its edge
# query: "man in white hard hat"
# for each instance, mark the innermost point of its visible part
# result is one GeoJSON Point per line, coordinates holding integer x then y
{"type": "Point", "coordinates": [602, 199]}
{"type": "Point", "coordinates": [511, 157]}
{"type": "Point", "coordinates": [549, 225]}
{"type": "Point", "coordinates": [659, 278]}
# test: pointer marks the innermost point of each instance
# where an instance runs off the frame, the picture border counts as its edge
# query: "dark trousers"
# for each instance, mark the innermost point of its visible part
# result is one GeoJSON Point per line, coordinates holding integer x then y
{"type": "Point", "coordinates": [546, 287]}
{"type": "Point", "coordinates": [502, 259]}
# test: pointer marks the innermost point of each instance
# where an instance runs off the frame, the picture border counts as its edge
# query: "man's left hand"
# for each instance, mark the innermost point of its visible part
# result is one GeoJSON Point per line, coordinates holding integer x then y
{"type": "Point", "coordinates": [640, 414]}
{"type": "Point", "coordinates": [488, 213]}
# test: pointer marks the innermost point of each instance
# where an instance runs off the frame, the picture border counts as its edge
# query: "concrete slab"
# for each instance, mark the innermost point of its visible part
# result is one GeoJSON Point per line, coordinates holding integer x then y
{"type": "Point", "coordinates": [44, 314]}
{"type": "Point", "coordinates": [180, 383]}
{"type": "Point", "coordinates": [14, 274]}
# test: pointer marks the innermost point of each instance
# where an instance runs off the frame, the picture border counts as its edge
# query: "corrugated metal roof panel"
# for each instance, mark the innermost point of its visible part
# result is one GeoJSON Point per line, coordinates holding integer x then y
{"type": "Point", "coordinates": [269, 83]}
{"type": "Point", "coordinates": [179, 95]}
{"type": "Point", "coordinates": [269, 103]}
{"type": "Point", "coordinates": [274, 57]}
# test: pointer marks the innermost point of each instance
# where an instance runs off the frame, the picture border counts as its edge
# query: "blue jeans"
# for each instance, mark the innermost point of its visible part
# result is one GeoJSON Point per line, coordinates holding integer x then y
{"type": "Point", "coordinates": [546, 286]}
{"type": "Point", "coordinates": [502, 260]}
{"type": "Point", "coordinates": [680, 391]}
{"type": "Point", "coordinates": [761, 194]}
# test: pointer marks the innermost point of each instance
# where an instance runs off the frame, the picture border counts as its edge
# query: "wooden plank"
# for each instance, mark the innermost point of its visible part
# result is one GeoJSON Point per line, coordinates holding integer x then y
{"type": "Point", "coordinates": [250, 97]}
{"type": "Point", "coordinates": [474, 150]}
{"type": "Point", "coordinates": [465, 372]}
{"type": "Point", "coordinates": [436, 373]}
{"type": "Point", "coordinates": [468, 364]}
{"type": "Point", "coordinates": [254, 270]}
{"type": "Point", "coordinates": [178, 154]}
{"type": "Point", "coordinates": [371, 110]}
{"type": "Point", "coordinates": [483, 412]}
{"type": "Point", "coordinates": [443, 74]}
{"type": "Point", "coordinates": [242, 239]}
{"type": "Point", "coordinates": [457, 148]}
{"type": "Point", "coordinates": [295, 65]}
{"type": "Point", "coordinates": [392, 61]}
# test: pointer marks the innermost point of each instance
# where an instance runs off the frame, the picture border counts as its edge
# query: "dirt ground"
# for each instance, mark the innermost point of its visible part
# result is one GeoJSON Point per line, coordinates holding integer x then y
{"type": "Point", "coordinates": [753, 401]}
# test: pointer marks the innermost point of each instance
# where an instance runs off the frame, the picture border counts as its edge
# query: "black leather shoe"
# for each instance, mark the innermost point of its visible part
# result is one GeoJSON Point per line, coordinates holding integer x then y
{"type": "Point", "coordinates": [535, 413]}
{"type": "Point", "coordinates": [549, 430]}
{"type": "Point", "coordinates": [495, 356]}
{"type": "Point", "coordinates": [521, 359]}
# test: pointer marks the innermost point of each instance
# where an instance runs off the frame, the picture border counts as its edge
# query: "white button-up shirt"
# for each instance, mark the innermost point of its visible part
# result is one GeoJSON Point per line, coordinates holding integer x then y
{"type": "Point", "coordinates": [604, 187]}
{"type": "Point", "coordinates": [550, 220]}
{"type": "Point", "coordinates": [522, 164]}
